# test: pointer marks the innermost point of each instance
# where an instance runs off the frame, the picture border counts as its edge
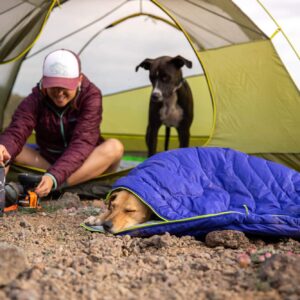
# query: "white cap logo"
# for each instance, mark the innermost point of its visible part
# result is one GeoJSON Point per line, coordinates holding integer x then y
{"type": "Point", "coordinates": [58, 69]}
{"type": "Point", "coordinates": [61, 69]}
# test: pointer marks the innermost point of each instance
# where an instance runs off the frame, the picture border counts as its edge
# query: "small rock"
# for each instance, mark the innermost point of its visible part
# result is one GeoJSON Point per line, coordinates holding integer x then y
{"type": "Point", "coordinates": [159, 241]}
{"type": "Point", "coordinates": [244, 260]}
{"type": "Point", "coordinates": [12, 263]}
{"type": "Point", "coordinates": [229, 271]}
{"type": "Point", "coordinates": [24, 294]}
{"type": "Point", "coordinates": [69, 200]}
{"type": "Point", "coordinates": [99, 204]}
{"type": "Point", "coordinates": [23, 223]}
{"type": "Point", "coordinates": [282, 272]}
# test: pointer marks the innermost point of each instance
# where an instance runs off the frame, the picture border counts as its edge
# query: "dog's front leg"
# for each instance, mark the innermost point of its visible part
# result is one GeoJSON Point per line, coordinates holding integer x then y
{"type": "Point", "coordinates": [151, 139]}
{"type": "Point", "coordinates": [154, 123]}
{"type": "Point", "coordinates": [183, 136]}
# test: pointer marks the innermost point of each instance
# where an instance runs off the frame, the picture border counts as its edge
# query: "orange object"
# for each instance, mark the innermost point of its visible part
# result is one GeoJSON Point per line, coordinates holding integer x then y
{"type": "Point", "coordinates": [30, 201]}
{"type": "Point", "coordinates": [11, 208]}
{"type": "Point", "coordinates": [33, 199]}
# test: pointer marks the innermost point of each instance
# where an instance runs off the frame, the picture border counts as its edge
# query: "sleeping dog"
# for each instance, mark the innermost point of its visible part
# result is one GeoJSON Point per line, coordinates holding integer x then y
{"type": "Point", "coordinates": [171, 101]}
{"type": "Point", "coordinates": [124, 210]}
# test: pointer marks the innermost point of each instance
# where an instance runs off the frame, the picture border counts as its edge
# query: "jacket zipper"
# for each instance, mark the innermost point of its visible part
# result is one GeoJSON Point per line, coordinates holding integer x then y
{"type": "Point", "coordinates": [62, 130]}
{"type": "Point", "coordinates": [61, 124]}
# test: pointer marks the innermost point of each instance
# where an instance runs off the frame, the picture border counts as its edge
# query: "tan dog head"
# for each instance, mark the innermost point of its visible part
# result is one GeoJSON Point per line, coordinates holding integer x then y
{"type": "Point", "coordinates": [124, 210]}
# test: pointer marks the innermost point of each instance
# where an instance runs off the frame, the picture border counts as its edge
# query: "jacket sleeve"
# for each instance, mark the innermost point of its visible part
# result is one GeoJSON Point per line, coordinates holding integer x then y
{"type": "Point", "coordinates": [23, 122]}
{"type": "Point", "coordinates": [84, 139]}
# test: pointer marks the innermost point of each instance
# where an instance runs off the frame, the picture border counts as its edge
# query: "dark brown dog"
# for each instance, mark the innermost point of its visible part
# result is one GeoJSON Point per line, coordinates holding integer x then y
{"type": "Point", "coordinates": [171, 101]}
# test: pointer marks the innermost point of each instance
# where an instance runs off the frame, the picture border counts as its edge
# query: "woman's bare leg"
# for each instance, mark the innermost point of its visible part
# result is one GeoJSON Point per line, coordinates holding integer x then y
{"type": "Point", "coordinates": [104, 158]}
{"type": "Point", "coordinates": [31, 157]}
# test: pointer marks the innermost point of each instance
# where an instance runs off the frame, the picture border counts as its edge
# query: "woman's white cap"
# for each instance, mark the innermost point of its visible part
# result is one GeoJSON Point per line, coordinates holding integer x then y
{"type": "Point", "coordinates": [61, 69]}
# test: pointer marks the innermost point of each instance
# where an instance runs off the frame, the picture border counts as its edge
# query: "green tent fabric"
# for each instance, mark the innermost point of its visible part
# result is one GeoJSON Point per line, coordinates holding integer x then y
{"type": "Point", "coordinates": [253, 92]}
{"type": "Point", "coordinates": [245, 99]}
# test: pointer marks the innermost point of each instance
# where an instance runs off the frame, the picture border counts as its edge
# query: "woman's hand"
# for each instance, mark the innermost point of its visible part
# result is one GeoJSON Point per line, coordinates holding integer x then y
{"type": "Point", "coordinates": [4, 155]}
{"type": "Point", "coordinates": [45, 186]}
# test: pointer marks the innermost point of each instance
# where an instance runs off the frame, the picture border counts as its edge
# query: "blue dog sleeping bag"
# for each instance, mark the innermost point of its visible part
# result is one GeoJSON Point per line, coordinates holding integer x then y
{"type": "Point", "coordinates": [193, 191]}
{"type": "Point", "coordinates": [197, 190]}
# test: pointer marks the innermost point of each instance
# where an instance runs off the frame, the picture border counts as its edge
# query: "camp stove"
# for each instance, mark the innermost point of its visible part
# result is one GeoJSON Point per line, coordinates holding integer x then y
{"type": "Point", "coordinates": [29, 198]}
{"type": "Point", "coordinates": [22, 195]}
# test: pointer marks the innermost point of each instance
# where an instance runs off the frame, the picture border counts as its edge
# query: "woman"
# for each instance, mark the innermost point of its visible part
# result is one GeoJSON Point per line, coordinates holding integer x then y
{"type": "Point", "coordinates": [65, 110]}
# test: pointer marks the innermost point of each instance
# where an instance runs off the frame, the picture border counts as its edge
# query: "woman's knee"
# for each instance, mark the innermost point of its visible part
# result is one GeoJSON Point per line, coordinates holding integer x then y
{"type": "Point", "coordinates": [114, 148]}
{"type": "Point", "coordinates": [117, 147]}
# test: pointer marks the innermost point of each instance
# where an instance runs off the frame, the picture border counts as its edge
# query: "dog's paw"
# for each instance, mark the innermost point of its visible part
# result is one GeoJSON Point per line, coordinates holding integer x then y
{"type": "Point", "coordinates": [92, 221]}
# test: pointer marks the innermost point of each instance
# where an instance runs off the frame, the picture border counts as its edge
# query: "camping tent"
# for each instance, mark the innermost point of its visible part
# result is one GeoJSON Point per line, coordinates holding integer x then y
{"type": "Point", "coordinates": [244, 97]}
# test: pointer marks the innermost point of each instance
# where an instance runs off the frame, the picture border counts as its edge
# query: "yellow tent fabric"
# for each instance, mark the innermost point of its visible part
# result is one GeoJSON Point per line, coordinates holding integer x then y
{"type": "Point", "coordinates": [257, 104]}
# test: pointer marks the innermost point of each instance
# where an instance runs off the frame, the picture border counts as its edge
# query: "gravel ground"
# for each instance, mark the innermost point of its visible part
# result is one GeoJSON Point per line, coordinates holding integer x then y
{"type": "Point", "coordinates": [47, 255]}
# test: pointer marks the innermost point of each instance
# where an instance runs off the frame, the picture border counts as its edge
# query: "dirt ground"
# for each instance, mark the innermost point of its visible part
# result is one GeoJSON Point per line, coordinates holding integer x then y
{"type": "Point", "coordinates": [47, 255]}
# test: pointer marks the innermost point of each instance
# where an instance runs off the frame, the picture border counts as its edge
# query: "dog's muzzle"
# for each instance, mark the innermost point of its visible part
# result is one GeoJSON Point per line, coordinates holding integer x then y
{"type": "Point", "coordinates": [156, 97]}
{"type": "Point", "coordinates": [107, 225]}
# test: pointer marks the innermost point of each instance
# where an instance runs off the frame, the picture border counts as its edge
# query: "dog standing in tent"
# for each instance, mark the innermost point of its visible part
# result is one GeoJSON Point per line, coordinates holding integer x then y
{"type": "Point", "coordinates": [171, 101]}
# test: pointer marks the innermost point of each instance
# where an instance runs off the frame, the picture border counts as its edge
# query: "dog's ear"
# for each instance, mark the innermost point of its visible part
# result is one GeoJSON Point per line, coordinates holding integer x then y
{"type": "Point", "coordinates": [180, 61]}
{"type": "Point", "coordinates": [146, 64]}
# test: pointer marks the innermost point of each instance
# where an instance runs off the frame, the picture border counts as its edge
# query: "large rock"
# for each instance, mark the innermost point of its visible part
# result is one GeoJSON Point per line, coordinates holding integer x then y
{"type": "Point", "coordinates": [12, 263]}
{"type": "Point", "coordinates": [227, 238]}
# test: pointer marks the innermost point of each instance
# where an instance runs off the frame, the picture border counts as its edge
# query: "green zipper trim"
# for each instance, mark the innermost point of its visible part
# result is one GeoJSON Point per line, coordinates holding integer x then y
{"type": "Point", "coordinates": [165, 221]}
{"type": "Point", "coordinates": [178, 221]}
{"type": "Point", "coordinates": [246, 209]}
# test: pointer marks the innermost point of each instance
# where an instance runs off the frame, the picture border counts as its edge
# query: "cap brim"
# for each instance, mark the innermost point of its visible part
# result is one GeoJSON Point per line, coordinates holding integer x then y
{"type": "Point", "coordinates": [67, 83]}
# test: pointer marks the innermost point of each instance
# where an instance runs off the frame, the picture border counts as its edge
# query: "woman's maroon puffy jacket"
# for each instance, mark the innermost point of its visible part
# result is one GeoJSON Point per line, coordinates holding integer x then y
{"type": "Point", "coordinates": [65, 136]}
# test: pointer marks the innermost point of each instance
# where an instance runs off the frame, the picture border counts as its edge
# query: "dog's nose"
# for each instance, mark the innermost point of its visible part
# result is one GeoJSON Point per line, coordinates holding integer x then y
{"type": "Point", "coordinates": [155, 97]}
{"type": "Point", "coordinates": [107, 225]}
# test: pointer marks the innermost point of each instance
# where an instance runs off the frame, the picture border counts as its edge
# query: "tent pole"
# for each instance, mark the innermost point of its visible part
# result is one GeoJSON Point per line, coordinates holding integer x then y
{"type": "Point", "coordinates": [278, 28]}
{"type": "Point", "coordinates": [115, 23]}
{"type": "Point", "coordinates": [54, 2]}
{"type": "Point", "coordinates": [76, 31]}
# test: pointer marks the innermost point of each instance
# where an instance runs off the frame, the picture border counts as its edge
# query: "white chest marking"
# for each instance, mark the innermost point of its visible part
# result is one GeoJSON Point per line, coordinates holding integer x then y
{"type": "Point", "coordinates": [171, 113]}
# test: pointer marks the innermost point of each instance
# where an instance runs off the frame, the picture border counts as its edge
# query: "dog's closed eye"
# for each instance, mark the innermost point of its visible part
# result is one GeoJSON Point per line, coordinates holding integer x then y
{"type": "Point", "coordinates": [113, 197]}
{"type": "Point", "coordinates": [129, 210]}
